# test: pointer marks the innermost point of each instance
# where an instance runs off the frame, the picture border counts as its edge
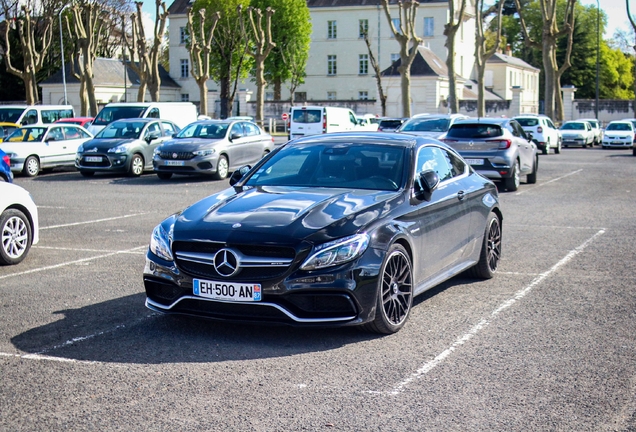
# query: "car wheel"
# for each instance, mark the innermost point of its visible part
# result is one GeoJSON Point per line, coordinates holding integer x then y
{"type": "Point", "coordinates": [546, 149]}
{"type": "Point", "coordinates": [395, 292]}
{"type": "Point", "coordinates": [532, 177]}
{"type": "Point", "coordinates": [164, 175]}
{"type": "Point", "coordinates": [136, 165]}
{"type": "Point", "coordinates": [490, 250]}
{"type": "Point", "coordinates": [222, 168]}
{"type": "Point", "coordinates": [512, 183]}
{"type": "Point", "coordinates": [16, 236]}
{"type": "Point", "coordinates": [634, 151]}
{"type": "Point", "coordinates": [31, 166]}
{"type": "Point", "coordinates": [557, 149]}
{"type": "Point", "coordinates": [87, 173]}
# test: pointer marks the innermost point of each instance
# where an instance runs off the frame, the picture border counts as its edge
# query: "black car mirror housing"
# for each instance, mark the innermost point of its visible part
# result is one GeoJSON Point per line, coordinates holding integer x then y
{"type": "Point", "coordinates": [425, 183]}
{"type": "Point", "coordinates": [239, 174]}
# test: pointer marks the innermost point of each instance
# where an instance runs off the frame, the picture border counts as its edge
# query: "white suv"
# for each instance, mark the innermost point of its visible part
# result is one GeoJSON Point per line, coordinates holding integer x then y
{"type": "Point", "coordinates": [543, 131]}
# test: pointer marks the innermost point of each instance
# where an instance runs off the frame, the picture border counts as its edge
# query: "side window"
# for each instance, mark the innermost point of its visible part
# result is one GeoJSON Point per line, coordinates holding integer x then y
{"type": "Point", "coordinates": [168, 129]}
{"type": "Point", "coordinates": [55, 134]}
{"type": "Point", "coordinates": [30, 117]}
{"type": "Point", "coordinates": [436, 159]}
{"type": "Point", "coordinates": [458, 165]}
{"type": "Point", "coordinates": [551, 124]}
{"type": "Point", "coordinates": [153, 128]}
{"type": "Point", "coordinates": [352, 118]}
{"type": "Point", "coordinates": [512, 128]}
{"type": "Point", "coordinates": [154, 113]}
{"type": "Point", "coordinates": [251, 129]}
{"type": "Point", "coordinates": [71, 132]}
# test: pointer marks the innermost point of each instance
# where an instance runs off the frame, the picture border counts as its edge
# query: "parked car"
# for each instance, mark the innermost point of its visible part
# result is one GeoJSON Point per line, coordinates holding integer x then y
{"type": "Point", "coordinates": [390, 124]}
{"type": "Point", "coordinates": [5, 168]}
{"type": "Point", "coordinates": [6, 129]}
{"type": "Point", "coordinates": [544, 133]}
{"type": "Point", "coordinates": [497, 148]}
{"type": "Point", "coordinates": [39, 115]}
{"type": "Point", "coordinates": [33, 148]}
{"type": "Point", "coordinates": [577, 133]}
{"type": "Point", "coordinates": [619, 134]}
{"type": "Point", "coordinates": [19, 227]}
{"type": "Point", "coordinates": [597, 129]}
{"type": "Point", "coordinates": [367, 123]}
{"type": "Point", "coordinates": [180, 113]}
{"type": "Point", "coordinates": [212, 147]}
{"type": "Point", "coordinates": [84, 122]}
{"type": "Point", "coordinates": [632, 121]}
{"type": "Point", "coordinates": [329, 230]}
{"type": "Point", "coordinates": [124, 146]}
{"type": "Point", "coordinates": [313, 120]}
{"type": "Point", "coordinates": [430, 125]}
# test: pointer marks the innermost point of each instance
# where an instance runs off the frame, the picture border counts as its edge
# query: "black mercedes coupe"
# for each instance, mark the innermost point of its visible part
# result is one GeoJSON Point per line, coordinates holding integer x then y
{"type": "Point", "coordinates": [328, 230]}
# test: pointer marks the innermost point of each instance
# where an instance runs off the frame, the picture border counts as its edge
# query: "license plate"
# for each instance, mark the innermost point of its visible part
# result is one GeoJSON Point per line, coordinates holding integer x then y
{"type": "Point", "coordinates": [174, 163]}
{"type": "Point", "coordinates": [617, 142]}
{"type": "Point", "coordinates": [475, 161]}
{"type": "Point", "coordinates": [234, 291]}
{"type": "Point", "coordinates": [93, 158]}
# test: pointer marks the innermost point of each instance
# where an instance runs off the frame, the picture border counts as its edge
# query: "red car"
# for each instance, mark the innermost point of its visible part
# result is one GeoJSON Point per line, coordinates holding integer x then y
{"type": "Point", "coordinates": [82, 121]}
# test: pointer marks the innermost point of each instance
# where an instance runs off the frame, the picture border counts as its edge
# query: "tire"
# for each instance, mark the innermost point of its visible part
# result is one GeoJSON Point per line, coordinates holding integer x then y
{"type": "Point", "coordinates": [15, 237]}
{"type": "Point", "coordinates": [557, 149]}
{"type": "Point", "coordinates": [532, 177]}
{"type": "Point", "coordinates": [395, 293]}
{"type": "Point", "coordinates": [222, 168]}
{"type": "Point", "coordinates": [136, 165]}
{"type": "Point", "coordinates": [512, 183]}
{"type": "Point", "coordinates": [31, 166]}
{"type": "Point", "coordinates": [164, 175]}
{"type": "Point", "coordinates": [490, 253]}
{"type": "Point", "coordinates": [87, 173]}
{"type": "Point", "coordinates": [634, 151]}
{"type": "Point", "coordinates": [545, 150]}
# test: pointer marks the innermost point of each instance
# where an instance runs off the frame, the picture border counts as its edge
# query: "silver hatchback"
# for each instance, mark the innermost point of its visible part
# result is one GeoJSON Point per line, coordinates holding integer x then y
{"type": "Point", "coordinates": [498, 149]}
{"type": "Point", "coordinates": [212, 147]}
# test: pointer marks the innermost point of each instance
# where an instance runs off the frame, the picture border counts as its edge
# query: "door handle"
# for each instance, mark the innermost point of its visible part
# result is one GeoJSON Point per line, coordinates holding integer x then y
{"type": "Point", "coordinates": [461, 195]}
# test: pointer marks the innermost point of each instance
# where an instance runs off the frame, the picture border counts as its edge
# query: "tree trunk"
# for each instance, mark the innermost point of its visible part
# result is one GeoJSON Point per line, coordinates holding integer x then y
{"type": "Point", "coordinates": [452, 77]}
{"type": "Point", "coordinates": [83, 99]}
{"type": "Point", "coordinates": [260, 88]}
{"type": "Point", "coordinates": [277, 89]}
{"type": "Point", "coordinates": [224, 96]}
{"type": "Point", "coordinates": [481, 90]}
{"type": "Point", "coordinates": [141, 92]}
{"type": "Point", "coordinates": [203, 96]}
{"type": "Point", "coordinates": [549, 70]}
{"type": "Point", "coordinates": [405, 86]}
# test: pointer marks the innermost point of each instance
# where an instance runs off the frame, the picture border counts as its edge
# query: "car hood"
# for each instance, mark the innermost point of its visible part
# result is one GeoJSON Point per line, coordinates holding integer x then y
{"type": "Point", "coordinates": [282, 215]}
{"type": "Point", "coordinates": [188, 144]}
{"type": "Point", "coordinates": [102, 144]}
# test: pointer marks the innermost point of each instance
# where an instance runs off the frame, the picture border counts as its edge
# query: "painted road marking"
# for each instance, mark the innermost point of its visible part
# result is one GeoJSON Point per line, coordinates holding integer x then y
{"type": "Point", "coordinates": [549, 181]}
{"type": "Point", "coordinates": [92, 221]}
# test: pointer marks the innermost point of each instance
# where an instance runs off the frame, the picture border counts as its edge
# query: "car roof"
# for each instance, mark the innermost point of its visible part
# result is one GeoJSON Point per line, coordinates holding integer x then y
{"type": "Point", "coordinates": [369, 138]}
{"type": "Point", "coordinates": [484, 120]}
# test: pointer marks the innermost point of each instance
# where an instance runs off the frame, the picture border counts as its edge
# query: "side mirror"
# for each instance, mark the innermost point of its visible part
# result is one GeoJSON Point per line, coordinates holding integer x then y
{"type": "Point", "coordinates": [529, 135]}
{"type": "Point", "coordinates": [239, 174]}
{"type": "Point", "coordinates": [151, 137]}
{"type": "Point", "coordinates": [51, 138]}
{"type": "Point", "coordinates": [235, 135]}
{"type": "Point", "coordinates": [425, 183]}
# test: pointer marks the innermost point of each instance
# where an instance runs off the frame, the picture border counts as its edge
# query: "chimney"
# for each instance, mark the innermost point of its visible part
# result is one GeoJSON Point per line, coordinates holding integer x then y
{"type": "Point", "coordinates": [508, 50]}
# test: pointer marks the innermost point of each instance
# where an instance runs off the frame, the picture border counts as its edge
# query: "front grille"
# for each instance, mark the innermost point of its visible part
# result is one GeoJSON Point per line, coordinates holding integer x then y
{"type": "Point", "coordinates": [180, 155]}
{"type": "Point", "coordinates": [321, 305]}
{"type": "Point", "coordinates": [163, 292]}
{"type": "Point", "coordinates": [246, 249]}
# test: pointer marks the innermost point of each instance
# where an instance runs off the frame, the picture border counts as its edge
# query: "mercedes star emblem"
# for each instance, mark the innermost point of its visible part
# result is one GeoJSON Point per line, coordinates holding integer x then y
{"type": "Point", "coordinates": [226, 263]}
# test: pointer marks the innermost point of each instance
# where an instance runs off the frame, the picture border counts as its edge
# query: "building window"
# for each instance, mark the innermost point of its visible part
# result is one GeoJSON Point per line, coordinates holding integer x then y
{"type": "Point", "coordinates": [269, 96]}
{"type": "Point", "coordinates": [363, 26]}
{"type": "Point", "coordinates": [332, 68]}
{"type": "Point", "coordinates": [429, 26]}
{"type": "Point", "coordinates": [332, 30]}
{"type": "Point", "coordinates": [363, 60]}
{"type": "Point", "coordinates": [395, 57]}
{"type": "Point", "coordinates": [397, 23]}
{"type": "Point", "coordinates": [363, 95]}
{"type": "Point", "coordinates": [331, 95]}
{"type": "Point", "coordinates": [300, 96]}
{"type": "Point", "coordinates": [185, 68]}
{"type": "Point", "coordinates": [183, 35]}
{"type": "Point", "coordinates": [185, 97]}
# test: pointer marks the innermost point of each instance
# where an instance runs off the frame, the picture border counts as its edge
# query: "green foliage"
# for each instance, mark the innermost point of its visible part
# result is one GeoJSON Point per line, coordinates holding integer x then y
{"type": "Point", "coordinates": [616, 74]}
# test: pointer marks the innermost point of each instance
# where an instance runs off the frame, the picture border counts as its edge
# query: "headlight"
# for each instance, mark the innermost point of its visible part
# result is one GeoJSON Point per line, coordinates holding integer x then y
{"type": "Point", "coordinates": [80, 149]}
{"type": "Point", "coordinates": [206, 152]}
{"type": "Point", "coordinates": [337, 252]}
{"type": "Point", "coordinates": [119, 149]}
{"type": "Point", "coordinates": [156, 151]}
{"type": "Point", "coordinates": [160, 241]}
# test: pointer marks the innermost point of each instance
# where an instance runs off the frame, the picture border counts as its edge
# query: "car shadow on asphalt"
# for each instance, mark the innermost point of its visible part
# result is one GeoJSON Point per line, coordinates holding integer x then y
{"type": "Point", "coordinates": [146, 179]}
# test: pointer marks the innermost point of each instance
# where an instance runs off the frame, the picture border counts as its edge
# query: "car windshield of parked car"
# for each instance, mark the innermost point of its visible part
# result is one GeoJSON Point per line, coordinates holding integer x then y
{"type": "Point", "coordinates": [390, 124]}
{"type": "Point", "coordinates": [10, 115]}
{"type": "Point", "coordinates": [474, 131]}
{"type": "Point", "coordinates": [426, 125]}
{"type": "Point", "coordinates": [204, 130]}
{"type": "Point", "coordinates": [122, 129]}
{"type": "Point", "coordinates": [351, 166]}
{"type": "Point", "coordinates": [528, 122]}
{"type": "Point", "coordinates": [27, 134]}
{"type": "Point", "coordinates": [618, 127]}
{"type": "Point", "coordinates": [573, 126]}
{"type": "Point", "coordinates": [110, 114]}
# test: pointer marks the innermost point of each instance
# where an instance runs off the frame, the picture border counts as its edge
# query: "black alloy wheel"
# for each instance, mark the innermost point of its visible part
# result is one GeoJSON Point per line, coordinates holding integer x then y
{"type": "Point", "coordinates": [490, 250]}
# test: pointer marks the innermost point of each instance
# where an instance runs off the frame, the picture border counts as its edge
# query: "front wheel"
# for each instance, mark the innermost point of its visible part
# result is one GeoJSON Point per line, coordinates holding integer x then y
{"type": "Point", "coordinates": [512, 183]}
{"type": "Point", "coordinates": [136, 165]}
{"type": "Point", "coordinates": [395, 292]}
{"type": "Point", "coordinates": [222, 168]}
{"type": "Point", "coordinates": [490, 249]}
{"type": "Point", "coordinates": [31, 166]}
{"type": "Point", "coordinates": [16, 235]}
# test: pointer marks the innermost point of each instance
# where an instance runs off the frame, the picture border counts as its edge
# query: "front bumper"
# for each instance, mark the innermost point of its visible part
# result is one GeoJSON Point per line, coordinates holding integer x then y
{"type": "Point", "coordinates": [205, 165]}
{"type": "Point", "coordinates": [115, 162]}
{"type": "Point", "coordinates": [614, 143]}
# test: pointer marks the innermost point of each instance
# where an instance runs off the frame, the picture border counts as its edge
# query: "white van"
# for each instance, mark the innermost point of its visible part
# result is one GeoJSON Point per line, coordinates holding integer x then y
{"type": "Point", "coordinates": [181, 113]}
{"type": "Point", "coordinates": [313, 120]}
{"type": "Point", "coordinates": [37, 115]}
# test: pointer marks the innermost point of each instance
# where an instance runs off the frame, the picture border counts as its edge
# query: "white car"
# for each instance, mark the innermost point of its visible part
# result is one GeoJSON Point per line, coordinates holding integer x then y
{"type": "Point", "coordinates": [577, 133]}
{"type": "Point", "coordinates": [544, 133]}
{"type": "Point", "coordinates": [19, 226]}
{"type": "Point", "coordinates": [619, 134]}
{"type": "Point", "coordinates": [596, 128]}
{"type": "Point", "coordinates": [32, 148]}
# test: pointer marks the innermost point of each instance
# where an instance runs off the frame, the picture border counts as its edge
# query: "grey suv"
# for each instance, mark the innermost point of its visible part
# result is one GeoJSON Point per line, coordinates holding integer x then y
{"type": "Point", "coordinates": [497, 148]}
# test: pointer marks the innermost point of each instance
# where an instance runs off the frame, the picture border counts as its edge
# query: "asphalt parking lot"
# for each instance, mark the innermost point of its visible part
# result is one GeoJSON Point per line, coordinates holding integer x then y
{"type": "Point", "coordinates": [548, 344]}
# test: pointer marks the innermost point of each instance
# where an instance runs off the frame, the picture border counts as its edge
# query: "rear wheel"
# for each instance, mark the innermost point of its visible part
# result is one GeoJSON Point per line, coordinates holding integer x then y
{"type": "Point", "coordinates": [395, 293]}
{"type": "Point", "coordinates": [512, 183]}
{"type": "Point", "coordinates": [532, 177]}
{"type": "Point", "coordinates": [490, 250]}
{"type": "Point", "coordinates": [557, 149]}
{"type": "Point", "coordinates": [222, 168]}
{"type": "Point", "coordinates": [15, 235]}
{"type": "Point", "coordinates": [31, 166]}
{"type": "Point", "coordinates": [136, 165]}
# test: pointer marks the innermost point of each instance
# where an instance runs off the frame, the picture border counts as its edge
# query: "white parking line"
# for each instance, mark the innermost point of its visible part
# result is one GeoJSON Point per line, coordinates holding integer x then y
{"type": "Point", "coordinates": [428, 366]}
{"type": "Point", "coordinates": [92, 221]}
{"type": "Point", "coordinates": [549, 181]}
{"type": "Point", "coordinates": [85, 250]}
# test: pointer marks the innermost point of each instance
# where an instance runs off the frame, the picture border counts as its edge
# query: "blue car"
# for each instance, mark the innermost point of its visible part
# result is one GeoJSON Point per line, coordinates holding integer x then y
{"type": "Point", "coordinates": [5, 168]}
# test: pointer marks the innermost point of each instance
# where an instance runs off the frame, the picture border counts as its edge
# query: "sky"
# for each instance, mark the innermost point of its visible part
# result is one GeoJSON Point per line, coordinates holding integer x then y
{"type": "Point", "coordinates": [616, 12]}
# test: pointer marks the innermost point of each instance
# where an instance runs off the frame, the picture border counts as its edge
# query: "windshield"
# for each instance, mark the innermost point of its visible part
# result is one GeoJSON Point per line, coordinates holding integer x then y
{"type": "Point", "coordinates": [204, 130]}
{"type": "Point", "coordinates": [426, 125]}
{"type": "Point", "coordinates": [110, 114]}
{"type": "Point", "coordinates": [122, 129]}
{"type": "Point", "coordinates": [573, 126]}
{"type": "Point", "coordinates": [351, 166]}
{"type": "Point", "coordinates": [618, 127]}
{"type": "Point", "coordinates": [27, 134]}
{"type": "Point", "coordinates": [10, 115]}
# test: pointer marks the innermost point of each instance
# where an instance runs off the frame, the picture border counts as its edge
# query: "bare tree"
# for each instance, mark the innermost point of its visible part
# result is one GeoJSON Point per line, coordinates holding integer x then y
{"type": "Point", "coordinates": [482, 54]}
{"type": "Point", "coordinates": [262, 46]}
{"type": "Point", "coordinates": [200, 47]}
{"type": "Point", "coordinates": [147, 52]}
{"type": "Point", "coordinates": [378, 74]}
{"type": "Point", "coordinates": [450, 31]}
{"type": "Point", "coordinates": [548, 46]}
{"type": "Point", "coordinates": [409, 42]}
{"type": "Point", "coordinates": [33, 60]}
